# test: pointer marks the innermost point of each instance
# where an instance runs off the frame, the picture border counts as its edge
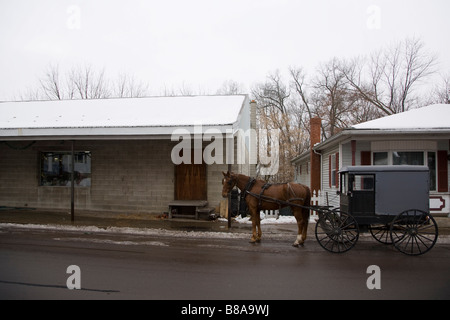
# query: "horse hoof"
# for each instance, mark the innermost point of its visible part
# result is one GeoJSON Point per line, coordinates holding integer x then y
{"type": "Point", "coordinates": [295, 245]}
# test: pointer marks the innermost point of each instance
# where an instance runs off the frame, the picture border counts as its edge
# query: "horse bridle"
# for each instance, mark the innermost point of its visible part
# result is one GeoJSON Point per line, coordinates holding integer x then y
{"type": "Point", "coordinates": [231, 182]}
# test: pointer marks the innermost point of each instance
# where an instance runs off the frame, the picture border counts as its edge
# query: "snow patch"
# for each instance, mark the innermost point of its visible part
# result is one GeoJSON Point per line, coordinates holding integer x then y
{"type": "Point", "coordinates": [270, 220]}
{"type": "Point", "coordinates": [107, 241]}
{"type": "Point", "coordinates": [127, 230]}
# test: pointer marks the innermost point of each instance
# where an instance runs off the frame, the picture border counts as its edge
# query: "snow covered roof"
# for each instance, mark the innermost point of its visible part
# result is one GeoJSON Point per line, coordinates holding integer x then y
{"type": "Point", "coordinates": [436, 116]}
{"type": "Point", "coordinates": [430, 120]}
{"type": "Point", "coordinates": [127, 116]}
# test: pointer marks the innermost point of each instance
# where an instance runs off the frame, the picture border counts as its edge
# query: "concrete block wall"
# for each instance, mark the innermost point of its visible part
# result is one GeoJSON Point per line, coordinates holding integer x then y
{"type": "Point", "coordinates": [126, 176]}
{"type": "Point", "coordinates": [18, 175]}
{"type": "Point", "coordinates": [136, 175]}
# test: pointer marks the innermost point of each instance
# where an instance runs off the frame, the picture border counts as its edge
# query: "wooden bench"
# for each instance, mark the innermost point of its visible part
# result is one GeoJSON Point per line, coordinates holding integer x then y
{"type": "Point", "coordinates": [199, 206]}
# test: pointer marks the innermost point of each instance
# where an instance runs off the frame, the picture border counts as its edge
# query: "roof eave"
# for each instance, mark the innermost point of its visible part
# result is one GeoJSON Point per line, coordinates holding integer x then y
{"type": "Point", "coordinates": [346, 133]}
{"type": "Point", "coordinates": [110, 133]}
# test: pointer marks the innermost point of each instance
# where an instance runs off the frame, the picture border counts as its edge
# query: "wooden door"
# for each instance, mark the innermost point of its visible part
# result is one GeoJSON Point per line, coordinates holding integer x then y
{"type": "Point", "coordinates": [190, 182]}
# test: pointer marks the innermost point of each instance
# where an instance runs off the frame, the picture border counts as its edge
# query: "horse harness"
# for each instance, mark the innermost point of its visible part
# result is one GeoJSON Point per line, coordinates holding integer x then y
{"type": "Point", "coordinates": [261, 196]}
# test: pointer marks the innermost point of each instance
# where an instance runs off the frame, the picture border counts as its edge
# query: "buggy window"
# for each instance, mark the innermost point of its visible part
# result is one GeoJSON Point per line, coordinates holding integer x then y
{"type": "Point", "coordinates": [344, 183]}
{"type": "Point", "coordinates": [362, 182]}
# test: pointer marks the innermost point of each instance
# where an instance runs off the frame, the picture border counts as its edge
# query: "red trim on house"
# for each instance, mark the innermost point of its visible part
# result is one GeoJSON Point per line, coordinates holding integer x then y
{"type": "Point", "coordinates": [365, 158]}
{"type": "Point", "coordinates": [442, 171]}
{"type": "Point", "coordinates": [442, 206]}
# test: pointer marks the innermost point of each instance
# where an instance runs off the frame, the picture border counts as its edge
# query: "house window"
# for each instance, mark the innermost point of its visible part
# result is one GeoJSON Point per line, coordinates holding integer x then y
{"type": "Point", "coordinates": [56, 169]}
{"type": "Point", "coordinates": [380, 158]}
{"type": "Point", "coordinates": [334, 164]}
{"type": "Point", "coordinates": [431, 162]}
{"type": "Point", "coordinates": [418, 158]}
{"type": "Point", "coordinates": [408, 158]}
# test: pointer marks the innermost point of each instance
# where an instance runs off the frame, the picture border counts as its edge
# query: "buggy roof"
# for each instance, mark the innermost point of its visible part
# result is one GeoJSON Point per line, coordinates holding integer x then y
{"type": "Point", "coordinates": [383, 168]}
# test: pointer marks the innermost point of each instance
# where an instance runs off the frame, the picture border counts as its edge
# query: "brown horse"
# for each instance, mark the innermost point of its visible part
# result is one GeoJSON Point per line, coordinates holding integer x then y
{"type": "Point", "coordinates": [258, 195]}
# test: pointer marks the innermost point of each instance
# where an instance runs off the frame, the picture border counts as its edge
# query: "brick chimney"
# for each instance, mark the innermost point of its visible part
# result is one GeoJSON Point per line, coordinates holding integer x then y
{"type": "Point", "coordinates": [315, 128]}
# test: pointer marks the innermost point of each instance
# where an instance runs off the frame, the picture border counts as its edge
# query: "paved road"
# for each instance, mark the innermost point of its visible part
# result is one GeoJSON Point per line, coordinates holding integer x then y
{"type": "Point", "coordinates": [33, 265]}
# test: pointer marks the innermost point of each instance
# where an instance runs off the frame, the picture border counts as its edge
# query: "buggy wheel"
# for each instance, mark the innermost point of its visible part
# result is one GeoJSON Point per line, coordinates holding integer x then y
{"type": "Point", "coordinates": [337, 231]}
{"type": "Point", "coordinates": [381, 233]}
{"type": "Point", "coordinates": [414, 232]}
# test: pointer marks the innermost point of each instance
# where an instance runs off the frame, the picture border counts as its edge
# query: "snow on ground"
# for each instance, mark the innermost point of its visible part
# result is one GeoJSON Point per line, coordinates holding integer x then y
{"type": "Point", "coordinates": [270, 219]}
{"type": "Point", "coordinates": [225, 234]}
{"type": "Point", "coordinates": [127, 230]}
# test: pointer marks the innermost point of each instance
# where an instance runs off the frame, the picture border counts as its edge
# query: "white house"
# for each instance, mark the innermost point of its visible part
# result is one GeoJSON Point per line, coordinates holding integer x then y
{"type": "Point", "coordinates": [416, 137]}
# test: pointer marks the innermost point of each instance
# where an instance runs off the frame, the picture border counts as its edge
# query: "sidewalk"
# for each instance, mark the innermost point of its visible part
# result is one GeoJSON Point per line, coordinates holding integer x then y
{"type": "Point", "coordinates": [104, 220]}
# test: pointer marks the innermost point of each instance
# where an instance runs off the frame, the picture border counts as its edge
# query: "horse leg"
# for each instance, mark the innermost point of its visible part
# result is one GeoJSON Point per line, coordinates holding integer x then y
{"type": "Point", "coordinates": [302, 224]}
{"type": "Point", "coordinates": [305, 212]}
{"type": "Point", "coordinates": [255, 220]}
{"type": "Point", "coordinates": [258, 227]}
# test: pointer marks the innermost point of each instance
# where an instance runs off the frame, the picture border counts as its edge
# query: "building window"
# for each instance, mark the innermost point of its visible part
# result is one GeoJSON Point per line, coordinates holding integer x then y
{"type": "Point", "coordinates": [380, 158]}
{"type": "Point", "coordinates": [431, 162]}
{"type": "Point", "coordinates": [409, 158]}
{"type": "Point", "coordinates": [56, 168]}
{"type": "Point", "coordinates": [334, 164]}
{"type": "Point", "coordinates": [418, 158]}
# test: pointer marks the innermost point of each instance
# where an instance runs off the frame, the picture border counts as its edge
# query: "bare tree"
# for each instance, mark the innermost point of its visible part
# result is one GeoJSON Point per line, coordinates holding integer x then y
{"type": "Point", "coordinates": [51, 85]}
{"type": "Point", "coordinates": [343, 93]}
{"type": "Point", "coordinates": [89, 83]}
{"type": "Point", "coordinates": [333, 101]}
{"type": "Point", "coordinates": [276, 110]}
{"type": "Point", "coordinates": [299, 86]}
{"type": "Point", "coordinates": [185, 89]}
{"type": "Point", "coordinates": [230, 87]}
{"type": "Point", "coordinates": [441, 92]}
{"type": "Point", "coordinates": [328, 96]}
{"type": "Point", "coordinates": [273, 93]}
{"type": "Point", "coordinates": [389, 77]}
{"type": "Point", "coordinates": [83, 82]}
{"type": "Point", "coordinates": [128, 86]}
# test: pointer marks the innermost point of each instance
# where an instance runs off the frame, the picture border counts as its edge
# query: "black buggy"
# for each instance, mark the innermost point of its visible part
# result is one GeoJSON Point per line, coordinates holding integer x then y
{"type": "Point", "coordinates": [390, 202]}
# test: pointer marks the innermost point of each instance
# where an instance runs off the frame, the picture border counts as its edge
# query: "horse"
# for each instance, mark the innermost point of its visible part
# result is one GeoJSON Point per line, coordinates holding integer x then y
{"type": "Point", "coordinates": [260, 195]}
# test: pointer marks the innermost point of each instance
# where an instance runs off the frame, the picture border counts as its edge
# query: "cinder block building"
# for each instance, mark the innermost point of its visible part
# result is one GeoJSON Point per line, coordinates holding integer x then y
{"type": "Point", "coordinates": [129, 154]}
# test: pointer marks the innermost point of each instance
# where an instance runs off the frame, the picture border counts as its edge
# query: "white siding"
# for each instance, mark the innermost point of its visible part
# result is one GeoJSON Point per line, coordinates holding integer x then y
{"type": "Point", "coordinates": [303, 176]}
{"type": "Point", "coordinates": [333, 198]}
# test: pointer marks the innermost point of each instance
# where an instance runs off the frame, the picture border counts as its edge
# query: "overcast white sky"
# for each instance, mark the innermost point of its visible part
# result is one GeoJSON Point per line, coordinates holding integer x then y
{"type": "Point", "coordinates": [202, 43]}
